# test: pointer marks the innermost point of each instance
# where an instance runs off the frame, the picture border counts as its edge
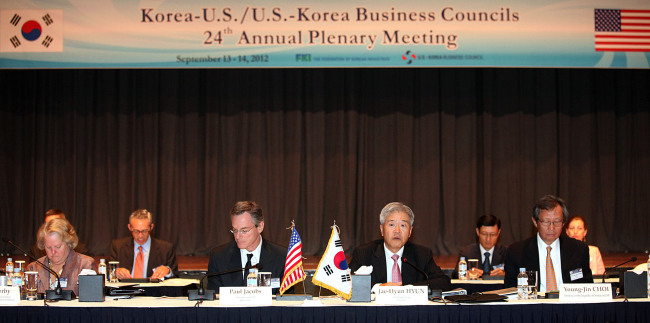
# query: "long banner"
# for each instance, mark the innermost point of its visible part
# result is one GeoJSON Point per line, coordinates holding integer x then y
{"type": "Point", "coordinates": [361, 33]}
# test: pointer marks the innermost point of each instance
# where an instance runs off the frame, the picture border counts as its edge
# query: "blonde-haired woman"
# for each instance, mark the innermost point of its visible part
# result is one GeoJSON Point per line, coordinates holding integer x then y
{"type": "Point", "coordinates": [58, 238]}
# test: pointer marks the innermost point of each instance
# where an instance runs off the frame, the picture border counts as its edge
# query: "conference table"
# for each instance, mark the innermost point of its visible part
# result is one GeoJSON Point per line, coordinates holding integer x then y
{"type": "Point", "coordinates": [324, 309]}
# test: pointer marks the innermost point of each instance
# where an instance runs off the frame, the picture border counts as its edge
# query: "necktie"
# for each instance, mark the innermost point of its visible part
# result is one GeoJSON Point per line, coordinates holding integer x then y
{"type": "Point", "coordinates": [248, 264]}
{"type": "Point", "coordinates": [397, 276]}
{"type": "Point", "coordinates": [487, 268]}
{"type": "Point", "coordinates": [139, 264]}
{"type": "Point", "coordinates": [551, 284]}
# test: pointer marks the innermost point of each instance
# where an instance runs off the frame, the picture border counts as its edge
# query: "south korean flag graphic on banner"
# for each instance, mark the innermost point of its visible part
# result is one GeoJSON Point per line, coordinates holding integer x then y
{"type": "Point", "coordinates": [31, 31]}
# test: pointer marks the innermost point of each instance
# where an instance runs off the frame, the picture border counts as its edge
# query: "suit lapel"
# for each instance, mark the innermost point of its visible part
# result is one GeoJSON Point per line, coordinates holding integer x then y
{"type": "Point", "coordinates": [378, 263]}
{"type": "Point", "coordinates": [235, 260]}
{"type": "Point", "coordinates": [151, 259]}
{"type": "Point", "coordinates": [498, 255]}
{"type": "Point", "coordinates": [566, 257]}
{"type": "Point", "coordinates": [129, 255]}
{"type": "Point", "coordinates": [532, 254]}
{"type": "Point", "coordinates": [409, 274]}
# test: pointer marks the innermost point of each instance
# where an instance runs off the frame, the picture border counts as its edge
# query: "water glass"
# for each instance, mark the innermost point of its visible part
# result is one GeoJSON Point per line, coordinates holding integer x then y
{"type": "Point", "coordinates": [533, 280]}
{"type": "Point", "coordinates": [472, 269]}
{"type": "Point", "coordinates": [112, 271]}
{"type": "Point", "coordinates": [31, 285]}
{"type": "Point", "coordinates": [264, 279]}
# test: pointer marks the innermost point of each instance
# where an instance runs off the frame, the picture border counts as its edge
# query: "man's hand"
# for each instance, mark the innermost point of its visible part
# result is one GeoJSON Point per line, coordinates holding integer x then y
{"type": "Point", "coordinates": [498, 272]}
{"type": "Point", "coordinates": [122, 273]}
{"type": "Point", "coordinates": [160, 272]}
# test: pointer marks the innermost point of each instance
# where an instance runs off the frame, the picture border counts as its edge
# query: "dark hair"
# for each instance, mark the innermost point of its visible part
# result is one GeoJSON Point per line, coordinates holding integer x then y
{"type": "Point", "coordinates": [576, 217]}
{"type": "Point", "coordinates": [254, 209]}
{"type": "Point", "coordinates": [488, 220]}
{"type": "Point", "coordinates": [550, 202]}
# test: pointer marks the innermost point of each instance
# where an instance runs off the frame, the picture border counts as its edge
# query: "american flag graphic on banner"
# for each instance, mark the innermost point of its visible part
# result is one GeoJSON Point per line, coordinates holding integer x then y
{"type": "Point", "coordinates": [31, 31]}
{"type": "Point", "coordinates": [293, 271]}
{"type": "Point", "coordinates": [618, 30]}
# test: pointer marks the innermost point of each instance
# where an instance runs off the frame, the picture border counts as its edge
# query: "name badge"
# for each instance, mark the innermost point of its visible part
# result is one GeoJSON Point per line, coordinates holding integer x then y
{"type": "Point", "coordinates": [9, 295]}
{"type": "Point", "coordinates": [402, 295]}
{"type": "Point", "coordinates": [576, 274]}
{"type": "Point", "coordinates": [246, 296]}
{"type": "Point", "coordinates": [585, 293]}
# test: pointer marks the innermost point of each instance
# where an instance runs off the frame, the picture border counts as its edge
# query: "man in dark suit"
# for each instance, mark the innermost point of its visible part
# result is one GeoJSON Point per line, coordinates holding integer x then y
{"type": "Point", "coordinates": [247, 249]}
{"type": "Point", "coordinates": [559, 259]}
{"type": "Point", "coordinates": [142, 255]}
{"type": "Point", "coordinates": [386, 255]}
{"type": "Point", "coordinates": [487, 250]}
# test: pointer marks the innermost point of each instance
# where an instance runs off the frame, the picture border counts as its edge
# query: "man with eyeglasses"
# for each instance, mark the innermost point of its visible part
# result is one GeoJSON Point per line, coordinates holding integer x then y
{"type": "Point", "coordinates": [247, 249]}
{"type": "Point", "coordinates": [489, 253]}
{"type": "Point", "coordinates": [558, 259]}
{"type": "Point", "coordinates": [141, 255]}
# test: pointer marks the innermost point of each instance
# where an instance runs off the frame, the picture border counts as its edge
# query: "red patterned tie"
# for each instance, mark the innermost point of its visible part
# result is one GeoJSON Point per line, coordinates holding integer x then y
{"type": "Point", "coordinates": [139, 264]}
{"type": "Point", "coordinates": [551, 284]}
{"type": "Point", "coordinates": [397, 276]}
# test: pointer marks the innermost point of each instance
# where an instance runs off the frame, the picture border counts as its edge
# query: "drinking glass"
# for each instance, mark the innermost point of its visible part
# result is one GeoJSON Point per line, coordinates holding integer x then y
{"type": "Point", "coordinates": [533, 280]}
{"type": "Point", "coordinates": [472, 269]}
{"type": "Point", "coordinates": [112, 271]}
{"type": "Point", "coordinates": [31, 285]}
{"type": "Point", "coordinates": [264, 279]}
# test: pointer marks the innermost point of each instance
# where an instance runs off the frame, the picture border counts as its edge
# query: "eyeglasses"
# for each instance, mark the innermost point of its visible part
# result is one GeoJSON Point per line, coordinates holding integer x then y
{"type": "Point", "coordinates": [242, 231]}
{"type": "Point", "coordinates": [490, 235]}
{"type": "Point", "coordinates": [140, 231]}
{"type": "Point", "coordinates": [551, 223]}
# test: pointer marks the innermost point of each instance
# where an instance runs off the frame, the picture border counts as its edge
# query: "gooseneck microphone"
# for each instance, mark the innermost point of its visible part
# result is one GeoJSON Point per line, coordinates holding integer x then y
{"type": "Point", "coordinates": [404, 260]}
{"type": "Point", "coordinates": [58, 293]}
{"type": "Point", "coordinates": [202, 294]}
{"type": "Point", "coordinates": [633, 259]}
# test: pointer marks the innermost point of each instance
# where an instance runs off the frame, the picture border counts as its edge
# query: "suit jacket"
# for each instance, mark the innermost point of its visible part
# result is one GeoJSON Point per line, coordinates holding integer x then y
{"type": "Point", "coordinates": [574, 254]}
{"type": "Point", "coordinates": [228, 257]}
{"type": "Point", "coordinates": [473, 251]}
{"type": "Point", "coordinates": [372, 254]}
{"type": "Point", "coordinates": [73, 266]}
{"type": "Point", "coordinates": [162, 253]}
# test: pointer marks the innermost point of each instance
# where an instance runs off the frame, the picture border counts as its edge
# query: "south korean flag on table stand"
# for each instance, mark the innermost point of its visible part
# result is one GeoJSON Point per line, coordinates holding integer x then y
{"type": "Point", "coordinates": [332, 271]}
{"type": "Point", "coordinates": [31, 31]}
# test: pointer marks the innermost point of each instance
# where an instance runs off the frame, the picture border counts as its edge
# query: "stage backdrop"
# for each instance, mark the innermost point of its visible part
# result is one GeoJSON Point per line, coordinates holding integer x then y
{"type": "Point", "coordinates": [324, 145]}
{"type": "Point", "coordinates": [281, 33]}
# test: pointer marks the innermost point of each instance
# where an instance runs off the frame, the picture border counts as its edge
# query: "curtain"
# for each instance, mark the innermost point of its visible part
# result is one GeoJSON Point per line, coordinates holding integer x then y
{"type": "Point", "coordinates": [324, 146]}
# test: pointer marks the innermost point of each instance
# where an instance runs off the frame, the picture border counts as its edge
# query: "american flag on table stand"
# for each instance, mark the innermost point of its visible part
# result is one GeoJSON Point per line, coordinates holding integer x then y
{"type": "Point", "coordinates": [619, 30]}
{"type": "Point", "coordinates": [293, 271]}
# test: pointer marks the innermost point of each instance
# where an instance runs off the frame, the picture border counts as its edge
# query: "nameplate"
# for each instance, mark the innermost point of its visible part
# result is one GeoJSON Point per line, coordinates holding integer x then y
{"type": "Point", "coordinates": [9, 295]}
{"type": "Point", "coordinates": [245, 296]}
{"type": "Point", "coordinates": [402, 295]}
{"type": "Point", "coordinates": [585, 293]}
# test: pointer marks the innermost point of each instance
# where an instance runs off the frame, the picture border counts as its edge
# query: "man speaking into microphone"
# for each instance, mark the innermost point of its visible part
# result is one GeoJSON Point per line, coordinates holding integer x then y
{"type": "Point", "coordinates": [246, 250]}
{"type": "Point", "coordinates": [387, 255]}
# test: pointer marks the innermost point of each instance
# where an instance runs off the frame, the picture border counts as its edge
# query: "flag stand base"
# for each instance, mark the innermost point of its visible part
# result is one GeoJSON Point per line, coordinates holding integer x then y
{"type": "Point", "coordinates": [293, 297]}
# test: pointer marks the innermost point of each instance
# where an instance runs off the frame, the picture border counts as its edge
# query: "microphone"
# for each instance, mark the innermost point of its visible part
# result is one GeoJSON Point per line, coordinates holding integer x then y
{"type": "Point", "coordinates": [404, 260]}
{"type": "Point", "coordinates": [51, 295]}
{"type": "Point", "coordinates": [633, 259]}
{"type": "Point", "coordinates": [202, 294]}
